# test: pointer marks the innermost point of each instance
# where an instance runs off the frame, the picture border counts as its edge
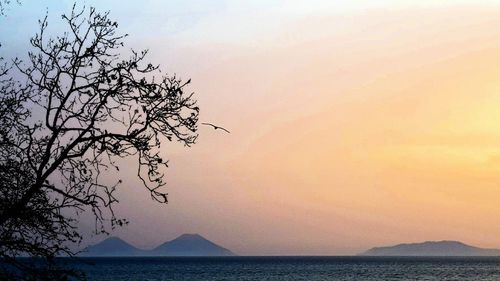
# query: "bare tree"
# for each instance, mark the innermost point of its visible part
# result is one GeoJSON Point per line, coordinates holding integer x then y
{"type": "Point", "coordinates": [83, 108]}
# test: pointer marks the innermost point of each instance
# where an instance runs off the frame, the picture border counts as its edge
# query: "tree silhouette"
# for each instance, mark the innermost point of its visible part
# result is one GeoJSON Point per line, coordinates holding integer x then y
{"type": "Point", "coordinates": [84, 107]}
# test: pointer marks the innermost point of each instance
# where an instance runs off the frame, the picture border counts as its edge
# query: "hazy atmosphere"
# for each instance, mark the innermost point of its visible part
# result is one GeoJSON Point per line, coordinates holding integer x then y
{"type": "Point", "coordinates": [353, 123]}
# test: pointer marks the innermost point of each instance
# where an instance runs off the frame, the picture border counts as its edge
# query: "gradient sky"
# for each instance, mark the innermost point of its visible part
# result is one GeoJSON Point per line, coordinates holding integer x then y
{"type": "Point", "coordinates": [353, 123]}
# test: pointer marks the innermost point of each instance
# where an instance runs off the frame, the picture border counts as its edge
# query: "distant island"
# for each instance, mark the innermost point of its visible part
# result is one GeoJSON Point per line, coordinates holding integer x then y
{"type": "Point", "coordinates": [432, 248]}
{"type": "Point", "coordinates": [184, 245]}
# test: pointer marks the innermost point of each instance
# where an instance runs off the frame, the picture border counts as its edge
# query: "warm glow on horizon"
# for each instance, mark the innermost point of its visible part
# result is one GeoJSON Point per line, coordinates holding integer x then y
{"type": "Point", "coordinates": [353, 124]}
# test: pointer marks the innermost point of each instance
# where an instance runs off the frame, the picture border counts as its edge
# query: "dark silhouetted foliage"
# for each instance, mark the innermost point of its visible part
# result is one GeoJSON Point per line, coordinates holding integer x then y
{"type": "Point", "coordinates": [83, 107]}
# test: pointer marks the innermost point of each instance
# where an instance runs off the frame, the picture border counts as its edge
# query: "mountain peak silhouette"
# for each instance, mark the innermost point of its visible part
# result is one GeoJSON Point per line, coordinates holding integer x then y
{"type": "Point", "coordinates": [191, 245]}
{"type": "Point", "coordinates": [184, 245]}
{"type": "Point", "coordinates": [112, 246]}
{"type": "Point", "coordinates": [432, 248]}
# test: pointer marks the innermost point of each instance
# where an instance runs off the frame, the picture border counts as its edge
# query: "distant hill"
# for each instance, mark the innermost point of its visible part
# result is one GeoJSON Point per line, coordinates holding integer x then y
{"type": "Point", "coordinates": [184, 245]}
{"type": "Point", "coordinates": [190, 245]}
{"type": "Point", "coordinates": [432, 248]}
{"type": "Point", "coordinates": [112, 247]}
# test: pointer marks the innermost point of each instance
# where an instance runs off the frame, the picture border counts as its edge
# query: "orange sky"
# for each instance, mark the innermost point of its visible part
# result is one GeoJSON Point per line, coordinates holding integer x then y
{"type": "Point", "coordinates": [385, 130]}
{"type": "Point", "coordinates": [351, 127]}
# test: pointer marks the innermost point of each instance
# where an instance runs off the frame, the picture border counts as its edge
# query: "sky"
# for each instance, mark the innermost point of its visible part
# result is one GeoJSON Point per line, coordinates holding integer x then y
{"type": "Point", "coordinates": [353, 123]}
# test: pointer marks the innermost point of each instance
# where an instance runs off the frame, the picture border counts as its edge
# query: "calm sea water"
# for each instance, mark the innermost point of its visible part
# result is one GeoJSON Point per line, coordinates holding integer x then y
{"type": "Point", "coordinates": [290, 268]}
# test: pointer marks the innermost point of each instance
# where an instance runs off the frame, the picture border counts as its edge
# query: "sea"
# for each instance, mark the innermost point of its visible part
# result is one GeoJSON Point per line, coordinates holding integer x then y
{"type": "Point", "coordinates": [288, 268]}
